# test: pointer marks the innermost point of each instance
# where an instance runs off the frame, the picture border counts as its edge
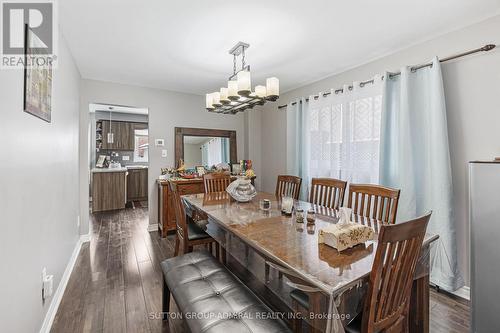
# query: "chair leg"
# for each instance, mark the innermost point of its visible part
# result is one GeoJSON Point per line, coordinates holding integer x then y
{"type": "Point", "coordinates": [223, 255]}
{"type": "Point", "coordinates": [166, 301]}
{"type": "Point", "coordinates": [266, 279]}
{"type": "Point", "coordinates": [176, 250]}
{"type": "Point", "coordinates": [315, 307]}
{"type": "Point", "coordinates": [217, 251]}
{"type": "Point", "coordinates": [296, 321]}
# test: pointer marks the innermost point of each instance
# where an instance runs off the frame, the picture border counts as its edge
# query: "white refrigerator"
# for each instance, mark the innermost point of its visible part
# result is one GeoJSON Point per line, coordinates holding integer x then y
{"type": "Point", "coordinates": [484, 196]}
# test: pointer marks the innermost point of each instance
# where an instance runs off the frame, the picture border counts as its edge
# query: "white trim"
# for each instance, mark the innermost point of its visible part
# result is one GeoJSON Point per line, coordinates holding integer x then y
{"type": "Point", "coordinates": [85, 238]}
{"type": "Point", "coordinates": [152, 227]}
{"type": "Point", "coordinates": [56, 299]}
{"type": "Point", "coordinates": [463, 292]}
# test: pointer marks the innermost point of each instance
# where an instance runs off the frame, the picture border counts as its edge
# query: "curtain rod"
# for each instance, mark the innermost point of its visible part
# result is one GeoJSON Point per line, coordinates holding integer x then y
{"type": "Point", "coordinates": [485, 48]}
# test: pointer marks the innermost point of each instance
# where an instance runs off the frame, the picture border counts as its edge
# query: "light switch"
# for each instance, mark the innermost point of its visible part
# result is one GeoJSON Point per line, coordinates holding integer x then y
{"type": "Point", "coordinates": [163, 153]}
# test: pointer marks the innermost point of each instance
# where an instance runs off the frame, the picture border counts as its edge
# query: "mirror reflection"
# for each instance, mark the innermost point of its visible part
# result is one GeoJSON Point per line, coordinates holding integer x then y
{"type": "Point", "coordinates": [205, 151]}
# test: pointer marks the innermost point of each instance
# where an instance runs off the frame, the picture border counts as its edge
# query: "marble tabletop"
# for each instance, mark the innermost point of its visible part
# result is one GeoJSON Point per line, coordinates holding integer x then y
{"type": "Point", "coordinates": [291, 244]}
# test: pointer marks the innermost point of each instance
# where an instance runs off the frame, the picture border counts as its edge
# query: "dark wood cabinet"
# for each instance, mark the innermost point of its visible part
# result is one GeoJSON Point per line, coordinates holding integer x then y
{"type": "Point", "coordinates": [137, 184]}
{"type": "Point", "coordinates": [108, 190]}
{"type": "Point", "coordinates": [123, 135]}
{"type": "Point", "coordinates": [166, 213]}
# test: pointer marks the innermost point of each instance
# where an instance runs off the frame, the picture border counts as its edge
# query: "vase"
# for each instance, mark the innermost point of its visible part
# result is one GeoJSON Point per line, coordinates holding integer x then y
{"type": "Point", "coordinates": [242, 190]}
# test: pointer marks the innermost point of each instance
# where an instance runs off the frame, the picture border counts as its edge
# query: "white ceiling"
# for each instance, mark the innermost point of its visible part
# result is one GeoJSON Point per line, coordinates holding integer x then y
{"type": "Point", "coordinates": [93, 107]}
{"type": "Point", "coordinates": [182, 45]}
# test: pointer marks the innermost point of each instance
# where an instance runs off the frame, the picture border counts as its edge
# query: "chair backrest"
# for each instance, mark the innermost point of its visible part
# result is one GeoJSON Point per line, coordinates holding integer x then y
{"type": "Point", "coordinates": [391, 278]}
{"type": "Point", "coordinates": [374, 201]}
{"type": "Point", "coordinates": [327, 192]}
{"type": "Point", "coordinates": [180, 212]}
{"type": "Point", "coordinates": [216, 182]}
{"type": "Point", "coordinates": [288, 186]}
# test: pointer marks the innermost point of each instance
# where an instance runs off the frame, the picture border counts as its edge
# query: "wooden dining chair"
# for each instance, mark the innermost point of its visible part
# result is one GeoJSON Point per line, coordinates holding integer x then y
{"type": "Point", "coordinates": [288, 186]}
{"type": "Point", "coordinates": [374, 201]}
{"type": "Point", "coordinates": [387, 302]}
{"type": "Point", "coordinates": [188, 234]}
{"type": "Point", "coordinates": [216, 182]}
{"type": "Point", "coordinates": [386, 306]}
{"type": "Point", "coordinates": [327, 192]}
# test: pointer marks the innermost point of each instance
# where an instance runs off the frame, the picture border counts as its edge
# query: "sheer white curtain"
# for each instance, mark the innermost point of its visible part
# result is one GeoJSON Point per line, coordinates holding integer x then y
{"type": "Point", "coordinates": [337, 135]}
{"type": "Point", "coordinates": [212, 152]}
{"type": "Point", "coordinates": [415, 157]}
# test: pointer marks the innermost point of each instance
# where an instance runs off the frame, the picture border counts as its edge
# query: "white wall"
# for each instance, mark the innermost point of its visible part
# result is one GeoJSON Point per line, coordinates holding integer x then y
{"type": "Point", "coordinates": [167, 110]}
{"type": "Point", "coordinates": [38, 193]}
{"type": "Point", "coordinates": [472, 86]}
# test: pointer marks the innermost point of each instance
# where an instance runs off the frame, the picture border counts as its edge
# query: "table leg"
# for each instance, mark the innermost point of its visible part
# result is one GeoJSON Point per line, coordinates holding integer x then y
{"type": "Point", "coordinates": [419, 306]}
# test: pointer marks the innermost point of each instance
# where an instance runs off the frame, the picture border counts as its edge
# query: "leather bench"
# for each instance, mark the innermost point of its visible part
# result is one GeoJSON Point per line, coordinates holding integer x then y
{"type": "Point", "coordinates": [211, 299]}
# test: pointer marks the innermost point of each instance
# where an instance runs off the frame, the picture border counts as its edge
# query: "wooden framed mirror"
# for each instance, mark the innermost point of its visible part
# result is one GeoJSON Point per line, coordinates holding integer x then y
{"type": "Point", "coordinates": [191, 144]}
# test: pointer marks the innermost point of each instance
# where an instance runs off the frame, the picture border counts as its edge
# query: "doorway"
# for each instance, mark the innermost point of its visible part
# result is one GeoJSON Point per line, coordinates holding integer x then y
{"type": "Point", "coordinates": [118, 158]}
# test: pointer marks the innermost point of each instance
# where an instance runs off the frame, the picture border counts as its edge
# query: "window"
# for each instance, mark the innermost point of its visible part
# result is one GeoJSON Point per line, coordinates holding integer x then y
{"type": "Point", "coordinates": [141, 147]}
{"type": "Point", "coordinates": [215, 151]}
{"type": "Point", "coordinates": [344, 135]}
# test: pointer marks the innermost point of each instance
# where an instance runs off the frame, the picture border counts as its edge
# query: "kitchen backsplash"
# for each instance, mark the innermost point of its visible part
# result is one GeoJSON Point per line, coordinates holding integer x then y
{"type": "Point", "coordinates": [121, 154]}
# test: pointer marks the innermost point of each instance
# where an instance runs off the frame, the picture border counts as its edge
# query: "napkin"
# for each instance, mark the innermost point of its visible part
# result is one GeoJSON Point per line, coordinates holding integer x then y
{"type": "Point", "coordinates": [345, 215]}
{"type": "Point", "coordinates": [342, 236]}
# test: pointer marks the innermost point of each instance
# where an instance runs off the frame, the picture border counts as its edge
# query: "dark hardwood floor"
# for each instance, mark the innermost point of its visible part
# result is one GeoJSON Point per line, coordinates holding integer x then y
{"type": "Point", "coordinates": [116, 283]}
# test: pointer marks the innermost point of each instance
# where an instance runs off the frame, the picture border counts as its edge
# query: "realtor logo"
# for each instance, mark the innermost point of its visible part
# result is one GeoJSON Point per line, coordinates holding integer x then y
{"type": "Point", "coordinates": [39, 17]}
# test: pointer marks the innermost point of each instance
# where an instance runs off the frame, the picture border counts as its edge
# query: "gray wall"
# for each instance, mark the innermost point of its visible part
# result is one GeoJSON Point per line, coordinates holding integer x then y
{"type": "Point", "coordinates": [472, 86]}
{"type": "Point", "coordinates": [167, 110]}
{"type": "Point", "coordinates": [38, 193]}
{"type": "Point", "coordinates": [192, 155]}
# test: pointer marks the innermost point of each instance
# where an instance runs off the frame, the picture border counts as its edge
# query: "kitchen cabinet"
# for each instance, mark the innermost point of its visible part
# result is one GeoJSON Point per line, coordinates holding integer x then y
{"type": "Point", "coordinates": [137, 184]}
{"type": "Point", "coordinates": [123, 135]}
{"type": "Point", "coordinates": [109, 189]}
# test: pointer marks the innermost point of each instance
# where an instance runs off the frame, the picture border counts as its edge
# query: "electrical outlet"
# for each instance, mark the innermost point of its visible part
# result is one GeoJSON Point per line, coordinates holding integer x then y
{"type": "Point", "coordinates": [47, 284]}
{"type": "Point", "coordinates": [163, 153]}
{"type": "Point", "coordinates": [78, 221]}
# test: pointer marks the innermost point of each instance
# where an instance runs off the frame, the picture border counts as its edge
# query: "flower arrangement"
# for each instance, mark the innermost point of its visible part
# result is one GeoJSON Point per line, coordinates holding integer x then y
{"type": "Point", "coordinates": [249, 173]}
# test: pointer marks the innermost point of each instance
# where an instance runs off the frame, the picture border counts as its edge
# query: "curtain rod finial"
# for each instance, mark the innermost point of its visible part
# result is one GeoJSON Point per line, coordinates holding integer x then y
{"type": "Point", "coordinates": [489, 47]}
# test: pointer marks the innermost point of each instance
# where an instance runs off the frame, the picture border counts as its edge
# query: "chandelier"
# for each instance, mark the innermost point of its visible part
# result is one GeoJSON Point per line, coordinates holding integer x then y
{"type": "Point", "coordinates": [238, 95]}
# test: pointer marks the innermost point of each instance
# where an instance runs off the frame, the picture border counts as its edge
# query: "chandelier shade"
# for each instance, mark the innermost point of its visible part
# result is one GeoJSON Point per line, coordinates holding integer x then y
{"type": "Point", "coordinates": [238, 95]}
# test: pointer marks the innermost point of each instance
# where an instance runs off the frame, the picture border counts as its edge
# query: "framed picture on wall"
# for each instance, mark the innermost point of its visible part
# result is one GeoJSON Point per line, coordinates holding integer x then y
{"type": "Point", "coordinates": [37, 78]}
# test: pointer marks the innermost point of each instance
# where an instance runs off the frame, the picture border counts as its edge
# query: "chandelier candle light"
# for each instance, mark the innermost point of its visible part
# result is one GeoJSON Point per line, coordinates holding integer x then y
{"type": "Point", "coordinates": [238, 95]}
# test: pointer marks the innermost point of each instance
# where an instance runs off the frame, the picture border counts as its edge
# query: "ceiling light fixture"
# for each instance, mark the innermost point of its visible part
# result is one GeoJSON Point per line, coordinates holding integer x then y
{"type": "Point", "coordinates": [238, 95]}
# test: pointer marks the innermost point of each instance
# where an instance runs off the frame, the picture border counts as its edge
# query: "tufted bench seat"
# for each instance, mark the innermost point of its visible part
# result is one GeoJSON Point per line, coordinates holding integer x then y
{"type": "Point", "coordinates": [211, 299]}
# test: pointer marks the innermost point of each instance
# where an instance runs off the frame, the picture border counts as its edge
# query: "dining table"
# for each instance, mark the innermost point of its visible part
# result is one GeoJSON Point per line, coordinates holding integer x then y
{"type": "Point", "coordinates": [258, 245]}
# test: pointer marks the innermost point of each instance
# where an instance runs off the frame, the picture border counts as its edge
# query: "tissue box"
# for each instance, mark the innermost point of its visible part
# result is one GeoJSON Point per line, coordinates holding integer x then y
{"type": "Point", "coordinates": [346, 235]}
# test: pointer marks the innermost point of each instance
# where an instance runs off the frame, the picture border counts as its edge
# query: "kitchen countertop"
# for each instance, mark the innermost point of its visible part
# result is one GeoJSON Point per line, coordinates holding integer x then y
{"type": "Point", "coordinates": [96, 170]}
{"type": "Point", "coordinates": [134, 167]}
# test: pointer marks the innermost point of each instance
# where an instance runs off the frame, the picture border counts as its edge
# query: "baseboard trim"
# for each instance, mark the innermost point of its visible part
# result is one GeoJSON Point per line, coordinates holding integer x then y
{"type": "Point", "coordinates": [57, 297]}
{"type": "Point", "coordinates": [463, 292]}
{"type": "Point", "coordinates": [85, 238]}
{"type": "Point", "coordinates": [153, 227]}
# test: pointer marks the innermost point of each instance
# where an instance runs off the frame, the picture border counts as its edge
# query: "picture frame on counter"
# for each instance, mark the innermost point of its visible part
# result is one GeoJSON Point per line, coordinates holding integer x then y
{"type": "Point", "coordinates": [236, 168]}
{"type": "Point", "coordinates": [200, 170]}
